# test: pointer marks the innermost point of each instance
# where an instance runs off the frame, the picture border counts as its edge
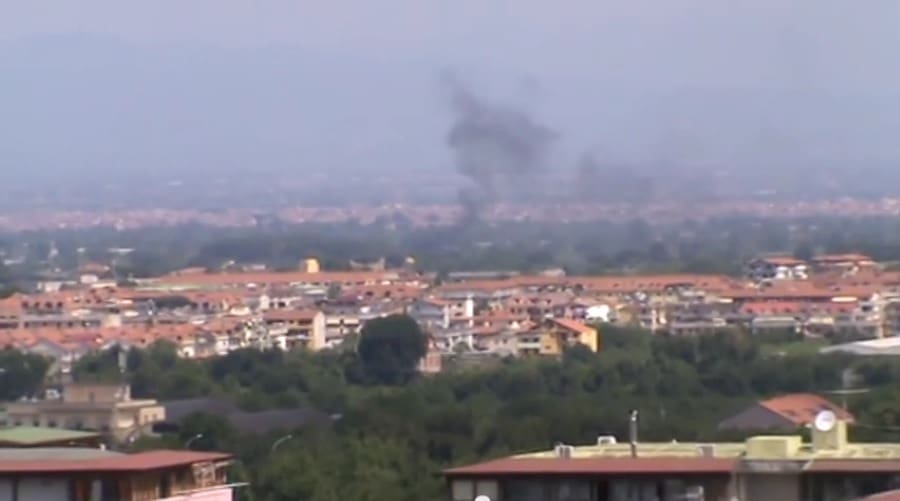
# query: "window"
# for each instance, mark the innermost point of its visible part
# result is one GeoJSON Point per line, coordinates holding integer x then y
{"type": "Point", "coordinates": [463, 490]}
{"type": "Point", "coordinates": [526, 490]}
{"type": "Point", "coordinates": [489, 488]}
{"type": "Point", "coordinates": [571, 490]}
{"type": "Point", "coordinates": [468, 490]}
{"type": "Point", "coordinates": [546, 490]}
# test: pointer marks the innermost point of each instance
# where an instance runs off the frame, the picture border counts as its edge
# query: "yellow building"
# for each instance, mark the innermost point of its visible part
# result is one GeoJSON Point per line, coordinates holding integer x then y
{"type": "Point", "coordinates": [558, 333]}
{"type": "Point", "coordinates": [310, 265]}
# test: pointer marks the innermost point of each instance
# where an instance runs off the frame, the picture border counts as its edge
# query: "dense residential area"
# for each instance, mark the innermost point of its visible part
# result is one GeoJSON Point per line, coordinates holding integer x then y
{"type": "Point", "coordinates": [481, 365]}
{"type": "Point", "coordinates": [242, 358]}
{"type": "Point", "coordinates": [830, 300]}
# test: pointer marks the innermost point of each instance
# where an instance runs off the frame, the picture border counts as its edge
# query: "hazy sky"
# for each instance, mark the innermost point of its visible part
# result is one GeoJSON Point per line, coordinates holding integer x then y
{"type": "Point", "coordinates": [302, 84]}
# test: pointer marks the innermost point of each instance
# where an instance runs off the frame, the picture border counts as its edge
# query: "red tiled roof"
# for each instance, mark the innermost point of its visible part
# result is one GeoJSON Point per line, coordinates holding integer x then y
{"type": "Point", "coordinates": [576, 466]}
{"type": "Point", "coordinates": [801, 408]}
{"type": "Point", "coordinates": [151, 460]}
{"type": "Point", "coordinates": [572, 325]}
{"type": "Point", "coordinates": [801, 290]}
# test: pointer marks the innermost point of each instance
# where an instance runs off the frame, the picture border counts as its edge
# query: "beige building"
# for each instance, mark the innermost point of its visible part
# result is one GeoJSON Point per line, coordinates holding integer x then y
{"type": "Point", "coordinates": [106, 408]}
{"type": "Point", "coordinates": [296, 328]}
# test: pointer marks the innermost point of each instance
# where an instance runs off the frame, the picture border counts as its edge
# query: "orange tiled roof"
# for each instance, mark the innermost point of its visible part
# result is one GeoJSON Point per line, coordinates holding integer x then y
{"type": "Point", "coordinates": [794, 290]}
{"type": "Point", "coordinates": [801, 408]}
{"type": "Point", "coordinates": [573, 325]}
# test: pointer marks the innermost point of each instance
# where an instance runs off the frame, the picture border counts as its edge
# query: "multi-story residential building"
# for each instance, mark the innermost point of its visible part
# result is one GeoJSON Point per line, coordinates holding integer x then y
{"type": "Point", "coordinates": [108, 409]}
{"type": "Point", "coordinates": [77, 474]}
{"type": "Point", "coordinates": [431, 313]}
{"type": "Point", "coordinates": [763, 468]}
{"type": "Point", "coordinates": [554, 335]}
{"type": "Point", "coordinates": [301, 328]}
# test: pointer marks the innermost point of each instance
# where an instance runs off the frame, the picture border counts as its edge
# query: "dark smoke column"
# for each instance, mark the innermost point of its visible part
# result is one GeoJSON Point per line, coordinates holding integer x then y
{"type": "Point", "coordinates": [497, 148]}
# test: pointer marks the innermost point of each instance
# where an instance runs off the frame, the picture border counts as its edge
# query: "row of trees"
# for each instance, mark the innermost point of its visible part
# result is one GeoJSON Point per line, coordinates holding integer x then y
{"type": "Point", "coordinates": [716, 245]}
{"type": "Point", "coordinates": [393, 431]}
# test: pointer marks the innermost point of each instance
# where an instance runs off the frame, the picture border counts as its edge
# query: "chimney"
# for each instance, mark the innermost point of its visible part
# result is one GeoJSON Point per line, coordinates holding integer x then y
{"type": "Point", "coordinates": [633, 432]}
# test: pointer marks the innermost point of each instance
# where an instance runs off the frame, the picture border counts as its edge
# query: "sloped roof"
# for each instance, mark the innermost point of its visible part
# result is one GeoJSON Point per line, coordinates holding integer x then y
{"type": "Point", "coordinates": [573, 325]}
{"type": "Point", "coordinates": [73, 460]}
{"type": "Point", "coordinates": [801, 408]}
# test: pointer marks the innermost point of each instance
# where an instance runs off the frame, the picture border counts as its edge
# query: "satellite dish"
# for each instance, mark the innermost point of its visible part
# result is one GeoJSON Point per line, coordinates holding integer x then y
{"type": "Point", "coordinates": [482, 498]}
{"type": "Point", "coordinates": [825, 421]}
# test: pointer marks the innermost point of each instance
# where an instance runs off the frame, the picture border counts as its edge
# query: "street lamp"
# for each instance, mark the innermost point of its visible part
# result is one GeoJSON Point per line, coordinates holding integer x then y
{"type": "Point", "coordinates": [281, 441]}
{"type": "Point", "coordinates": [187, 445]}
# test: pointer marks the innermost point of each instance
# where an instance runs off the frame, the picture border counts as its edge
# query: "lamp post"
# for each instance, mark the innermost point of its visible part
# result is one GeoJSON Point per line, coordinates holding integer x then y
{"type": "Point", "coordinates": [281, 441]}
{"type": "Point", "coordinates": [187, 445]}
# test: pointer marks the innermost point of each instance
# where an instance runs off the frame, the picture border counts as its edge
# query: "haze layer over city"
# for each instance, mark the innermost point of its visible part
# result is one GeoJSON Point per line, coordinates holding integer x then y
{"type": "Point", "coordinates": [223, 104]}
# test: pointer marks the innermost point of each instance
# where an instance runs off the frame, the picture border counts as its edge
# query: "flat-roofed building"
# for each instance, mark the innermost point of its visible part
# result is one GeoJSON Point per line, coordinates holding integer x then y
{"type": "Point", "coordinates": [106, 408]}
{"type": "Point", "coordinates": [30, 436]}
{"type": "Point", "coordinates": [763, 468]}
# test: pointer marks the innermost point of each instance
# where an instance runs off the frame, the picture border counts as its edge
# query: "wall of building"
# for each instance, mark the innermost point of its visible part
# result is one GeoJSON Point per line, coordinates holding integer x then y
{"type": "Point", "coordinates": [40, 489]}
{"type": "Point", "coordinates": [764, 487]}
{"type": "Point", "coordinates": [220, 494]}
{"type": "Point", "coordinates": [6, 489]}
{"type": "Point", "coordinates": [757, 417]}
{"type": "Point", "coordinates": [95, 393]}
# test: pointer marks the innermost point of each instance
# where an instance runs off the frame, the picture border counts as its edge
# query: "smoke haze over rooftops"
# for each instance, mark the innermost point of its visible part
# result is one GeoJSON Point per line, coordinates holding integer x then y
{"type": "Point", "coordinates": [493, 145]}
{"type": "Point", "coordinates": [767, 89]}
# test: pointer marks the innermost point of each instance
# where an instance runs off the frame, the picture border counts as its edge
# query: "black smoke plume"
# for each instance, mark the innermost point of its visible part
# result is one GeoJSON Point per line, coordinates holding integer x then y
{"type": "Point", "coordinates": [497, 148]}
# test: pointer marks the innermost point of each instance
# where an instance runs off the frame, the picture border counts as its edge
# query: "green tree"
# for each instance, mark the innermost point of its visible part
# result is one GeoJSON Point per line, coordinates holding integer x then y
{"type": "Point", "coordinates": [390, 348]}
{"type": "Point", "coordinates": [21, 374]}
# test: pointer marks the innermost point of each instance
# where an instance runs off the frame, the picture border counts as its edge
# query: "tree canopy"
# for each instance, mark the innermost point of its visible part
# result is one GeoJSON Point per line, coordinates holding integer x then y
{"type": "Point", "coordinates": [21, 374]}
{"type": "Point", "coordinates": [392, 439]}
{"type": "Point", "coordinates": [390, 348]}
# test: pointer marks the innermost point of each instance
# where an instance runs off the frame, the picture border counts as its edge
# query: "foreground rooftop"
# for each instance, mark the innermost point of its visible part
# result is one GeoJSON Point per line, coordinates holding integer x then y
{"type": "Point", "coordinates": [72, 459]}
{"type": "Point", "coordinates": [828, 452]}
